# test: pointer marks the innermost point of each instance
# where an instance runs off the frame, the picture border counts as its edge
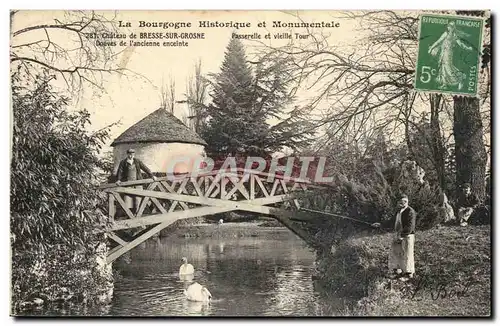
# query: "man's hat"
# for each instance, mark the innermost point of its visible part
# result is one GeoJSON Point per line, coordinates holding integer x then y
{"type": "Point", "coordinates": [130, 150]}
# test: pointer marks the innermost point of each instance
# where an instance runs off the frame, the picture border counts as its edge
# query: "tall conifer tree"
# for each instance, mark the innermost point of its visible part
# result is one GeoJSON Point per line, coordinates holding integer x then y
{"type": "Point", "coordinates": [234, 126]}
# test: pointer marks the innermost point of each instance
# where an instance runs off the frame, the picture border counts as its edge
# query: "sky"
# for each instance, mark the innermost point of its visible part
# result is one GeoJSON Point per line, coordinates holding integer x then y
{"type": "Point", "coordinates": [129, 99]}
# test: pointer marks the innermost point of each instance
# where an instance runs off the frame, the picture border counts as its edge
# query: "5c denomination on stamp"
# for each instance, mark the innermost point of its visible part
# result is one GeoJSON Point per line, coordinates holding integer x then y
{"type": "Point", "coordinates": [449, 51]}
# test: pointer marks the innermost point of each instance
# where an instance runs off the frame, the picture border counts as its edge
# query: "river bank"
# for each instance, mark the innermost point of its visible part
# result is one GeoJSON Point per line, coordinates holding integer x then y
{"type": "Point", "coordinates": [204, 229]}
{"type": "Point", "coordinates": [453, 274]}
{"type": "Point", "coordinates": [453, 267]}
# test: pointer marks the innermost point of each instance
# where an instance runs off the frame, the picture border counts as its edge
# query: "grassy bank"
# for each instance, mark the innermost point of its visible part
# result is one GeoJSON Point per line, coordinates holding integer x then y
{"type": "Point", "coordinates": [453, 275]}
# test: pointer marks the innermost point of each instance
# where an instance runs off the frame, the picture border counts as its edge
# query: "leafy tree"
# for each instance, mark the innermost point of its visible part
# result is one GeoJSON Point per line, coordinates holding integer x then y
{"type": "Point", "coordinates": [56, 226]}
{"type": "Point", "coordinates": [55, 220]}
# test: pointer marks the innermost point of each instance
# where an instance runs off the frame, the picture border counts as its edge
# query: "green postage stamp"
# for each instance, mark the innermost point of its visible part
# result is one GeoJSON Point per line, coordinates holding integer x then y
{"type": "Point", "coordinates": [449, 52]}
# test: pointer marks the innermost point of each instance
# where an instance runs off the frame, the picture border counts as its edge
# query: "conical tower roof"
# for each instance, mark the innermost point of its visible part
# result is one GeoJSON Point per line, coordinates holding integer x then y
{"type": "Point", "coordinates": [159, 126]}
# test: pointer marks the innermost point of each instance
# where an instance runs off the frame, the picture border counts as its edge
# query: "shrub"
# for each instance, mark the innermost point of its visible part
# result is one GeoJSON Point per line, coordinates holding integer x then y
{"type": "Point", "coordinates": [370, 197]}
{"type": "Point", "coordinates": [55, 219]}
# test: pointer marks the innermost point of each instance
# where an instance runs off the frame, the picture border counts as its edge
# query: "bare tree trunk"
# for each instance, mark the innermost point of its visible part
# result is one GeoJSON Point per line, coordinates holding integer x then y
{"type": "Point", "coordinates": [167, 95]}
{"type": "Point", "coordinates": [406, 122]}
{"type": "Point", "coordinates": [171, 96]}
{"type": "Point", "coordinates": [195, 98]}
{"type": "Point", "coordinates": [470, 153]}
{"type": "Point", "coordinates": [438, 148]}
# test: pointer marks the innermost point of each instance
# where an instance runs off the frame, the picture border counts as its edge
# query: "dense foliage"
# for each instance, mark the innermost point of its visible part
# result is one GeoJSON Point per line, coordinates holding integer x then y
{"type": "Point", "coordinates": [367, 185]}
{"type": "Point", "coordinates": [233, 125]}
{"type": "Point", "coordinates": [242, 102]}
{"type": "Point", "coordinates": [55, 218]}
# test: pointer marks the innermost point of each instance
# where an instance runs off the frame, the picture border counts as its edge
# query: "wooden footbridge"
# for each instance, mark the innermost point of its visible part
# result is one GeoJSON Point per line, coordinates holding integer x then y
{"type": "Point", "coordinates": [163, 201]}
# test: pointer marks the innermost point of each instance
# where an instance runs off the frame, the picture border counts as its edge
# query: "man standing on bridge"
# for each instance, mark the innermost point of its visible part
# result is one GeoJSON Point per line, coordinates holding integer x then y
{"type": "Point", "coordinates": [129, 169]}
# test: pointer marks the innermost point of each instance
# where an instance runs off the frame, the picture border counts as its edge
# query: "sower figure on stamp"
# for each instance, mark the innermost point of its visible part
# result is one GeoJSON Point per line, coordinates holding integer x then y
{"type": "Point", "coordinates": [467, 202]}
{"type": "Point", "coordinates": [130, 169]}
{"type": "Point", "coordinates": [449, 75]}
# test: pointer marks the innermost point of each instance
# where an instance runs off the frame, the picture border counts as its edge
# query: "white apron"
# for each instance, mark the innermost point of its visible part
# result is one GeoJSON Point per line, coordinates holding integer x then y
{"type": "Point", "coordinates": [401, 255]}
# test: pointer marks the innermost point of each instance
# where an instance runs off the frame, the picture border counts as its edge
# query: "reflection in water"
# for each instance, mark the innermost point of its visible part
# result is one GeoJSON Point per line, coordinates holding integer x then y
{"type": "Point", "coordinates": [186, 278]}
{"type": "Point", "coordinates": [221, 247]}
{"type": "Point", "coordinates": [246, 276]}
{"type": "Point", "coordinates": [196, 308]}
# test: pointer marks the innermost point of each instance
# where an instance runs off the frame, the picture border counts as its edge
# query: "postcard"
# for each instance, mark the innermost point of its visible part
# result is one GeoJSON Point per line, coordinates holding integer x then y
{"type": "Point", "coordinates": [250, 163]}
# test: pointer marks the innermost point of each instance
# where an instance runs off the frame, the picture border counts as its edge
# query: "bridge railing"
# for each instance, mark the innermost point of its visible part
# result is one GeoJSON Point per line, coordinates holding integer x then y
{"type": "Point", "coordinates": [238, 173]}
{"type": "Point", "coordinates": [144, 207]}
{"type": "Point", "coordinates": [134, 199]}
